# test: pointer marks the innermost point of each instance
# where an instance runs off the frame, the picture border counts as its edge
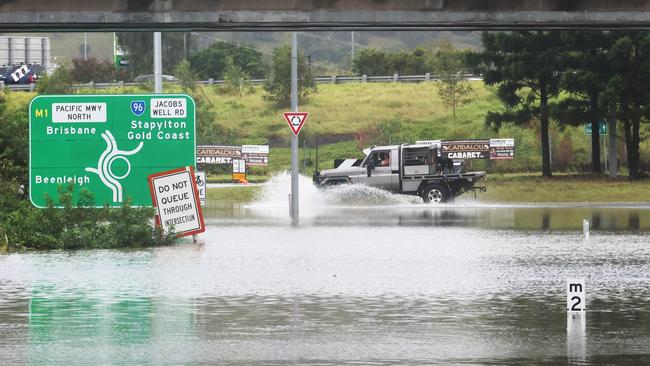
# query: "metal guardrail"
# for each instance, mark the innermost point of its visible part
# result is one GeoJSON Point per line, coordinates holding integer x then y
{"type": "Point", "coordinates": [395, 78]}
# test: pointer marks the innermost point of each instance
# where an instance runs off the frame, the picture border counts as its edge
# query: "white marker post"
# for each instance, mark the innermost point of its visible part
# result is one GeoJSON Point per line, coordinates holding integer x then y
{"type": "Point", "coordinates": [585, 228]}
{"type": "Point", "coordinates": [576, 323]}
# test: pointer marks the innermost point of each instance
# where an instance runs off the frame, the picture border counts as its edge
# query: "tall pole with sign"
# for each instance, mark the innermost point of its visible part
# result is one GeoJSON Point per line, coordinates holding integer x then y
{"type": "Point", "coordinates": [294, 137]}
{"type": "Point", "coordinates": [157, 62]}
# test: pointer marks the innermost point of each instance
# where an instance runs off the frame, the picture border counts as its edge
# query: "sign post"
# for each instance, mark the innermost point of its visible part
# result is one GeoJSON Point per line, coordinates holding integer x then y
{"type": "Point", "coordinates": [107, 144]}
{"type": "Point", "coordinates": [176, 199]}
{"type": "Point", "coordinates": [294, 138]}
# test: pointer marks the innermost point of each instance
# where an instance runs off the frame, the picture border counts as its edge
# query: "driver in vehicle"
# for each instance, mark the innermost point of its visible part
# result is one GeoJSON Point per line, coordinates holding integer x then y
{"type": "Point", "coordinates": [385, 160]}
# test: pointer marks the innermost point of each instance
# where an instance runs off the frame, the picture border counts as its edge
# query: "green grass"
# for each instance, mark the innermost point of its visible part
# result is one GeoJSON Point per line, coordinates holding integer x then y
{"type": "Point", "coordinates": [564, 188]}
{"type": "Point", "coordinates": [516, 188]}
{"type": "Point", "coordinates": [233, 194]}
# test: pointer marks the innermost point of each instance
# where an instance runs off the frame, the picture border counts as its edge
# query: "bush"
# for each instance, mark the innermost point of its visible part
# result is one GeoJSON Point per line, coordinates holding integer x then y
{"type": "Point", "coordinates": [77, 227]}
{"type": "Point", "coordinates": [58, 83]}
{"type": "Point", "coordinates": [84, 71]}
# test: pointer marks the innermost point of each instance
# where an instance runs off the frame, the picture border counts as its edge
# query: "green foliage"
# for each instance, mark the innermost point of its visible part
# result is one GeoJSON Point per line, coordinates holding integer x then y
{"type": "Point", "coordinates": [453, 89]}
{"type": "Point", "coordinates": [383, 133]}
{"type": "Point", "coordinates": [525, 66]}
{"type": "Point", "coordinates": [84, 71]}
{"type": "Point", "coordinates": [278, 86]}
{"type": "Point", "coordinates": [58, 83]}
{"type": "Point", "coordinates": [185, 76]}
{"type": "Point", "coordinates": [13, 143]}
{"type": "Point", "coordinates": [374, 62]}
{"type": "Point", "coordinates": [237, 81]}
{"type": "Point", "coordinates": [78, 227]}
{"type": "Point", "coordinates": [212, 62]}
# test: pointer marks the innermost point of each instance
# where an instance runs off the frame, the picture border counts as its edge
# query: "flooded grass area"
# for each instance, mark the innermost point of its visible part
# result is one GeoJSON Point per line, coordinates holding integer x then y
{"type": "Point", "coordinates": [367, 278]}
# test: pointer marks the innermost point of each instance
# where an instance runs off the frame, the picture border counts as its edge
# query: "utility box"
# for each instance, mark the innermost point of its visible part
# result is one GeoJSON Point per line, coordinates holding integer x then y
{"type": "Point", "coordinates": [25, 50]}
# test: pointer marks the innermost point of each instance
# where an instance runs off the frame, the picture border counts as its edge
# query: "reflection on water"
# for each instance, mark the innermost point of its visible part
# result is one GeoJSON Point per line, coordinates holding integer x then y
{"type": "Point", "coordinates": [494, 217]}
{"type": "Point", "coordinates": [354, 284]}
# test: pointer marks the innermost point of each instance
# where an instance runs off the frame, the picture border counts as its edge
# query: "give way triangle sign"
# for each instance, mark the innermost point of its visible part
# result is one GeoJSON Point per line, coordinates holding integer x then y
{"type": "Point", "coordinates": [296, 120]}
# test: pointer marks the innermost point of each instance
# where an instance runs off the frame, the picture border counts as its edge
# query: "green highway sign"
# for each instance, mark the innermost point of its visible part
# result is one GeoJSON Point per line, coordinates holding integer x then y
{"type": "Point", "coordinates": [107, 144]}
{"type": "Point", "coordinates": [602, 128]}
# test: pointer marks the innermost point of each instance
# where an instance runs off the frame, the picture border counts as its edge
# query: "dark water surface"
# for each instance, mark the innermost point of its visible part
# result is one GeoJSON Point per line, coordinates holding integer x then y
{"type": "Point", "coordinates": [401, 284]}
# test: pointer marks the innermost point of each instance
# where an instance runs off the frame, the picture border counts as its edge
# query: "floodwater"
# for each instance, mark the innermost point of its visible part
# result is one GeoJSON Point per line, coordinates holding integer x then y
{"type": "Point", "coordinates": [367, 278]}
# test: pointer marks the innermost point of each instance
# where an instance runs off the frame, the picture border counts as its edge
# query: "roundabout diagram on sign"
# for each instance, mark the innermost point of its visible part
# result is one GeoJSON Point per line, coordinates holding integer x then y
{"type": "Point", "coordinates": [104, 165]}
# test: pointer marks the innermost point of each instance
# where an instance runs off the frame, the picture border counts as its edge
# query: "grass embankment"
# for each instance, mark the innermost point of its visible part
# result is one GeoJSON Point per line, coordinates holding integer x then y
{"type": "Point", "coordinates": [514, 188]}
{"type": "Point", "coordinates": [564, 188]}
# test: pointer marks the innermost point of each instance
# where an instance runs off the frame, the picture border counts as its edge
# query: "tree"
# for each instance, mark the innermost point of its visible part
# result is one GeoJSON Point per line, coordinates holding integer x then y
{"type": "Point", "coordinates": [627, 92]}
{"type": "Point", "coordinates": [237, 81]}
{"type": "Point", "coordinates": [278, 86]}
{"type": "Point", "coordinates": [213, 61]}
{"type": "Point", "coordinates": [84, 71]}
{"type": "Point", "coordinates": [139, 47]}
{"type": "Point", "coordinates": [59, 82]}
{"type": "Point", "coordinates": [452, 88]}
{"type": "Point", "coordinates": [526, 67]}
{"type": "Point", "coordinates": [185, 76]}
{"type": "Point", "coordinates": [585, 78]}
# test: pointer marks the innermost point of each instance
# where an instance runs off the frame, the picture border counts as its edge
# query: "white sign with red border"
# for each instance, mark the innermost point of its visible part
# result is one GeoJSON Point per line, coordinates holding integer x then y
{"type": "Point", "coordinates": [176, 198]}
{"type": "Point", "coordinates": [296, 120]}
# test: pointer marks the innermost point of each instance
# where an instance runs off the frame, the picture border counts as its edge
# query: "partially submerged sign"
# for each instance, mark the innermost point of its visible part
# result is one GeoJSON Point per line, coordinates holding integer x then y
{"type": "Point", "coordinates": [107, 144]}
{"type": "Point", "coordinates": [201, 185]}
{"type": "Point", "coordinates": [224, 154]}
{"type": "Point", "coordinates": [176, 198]}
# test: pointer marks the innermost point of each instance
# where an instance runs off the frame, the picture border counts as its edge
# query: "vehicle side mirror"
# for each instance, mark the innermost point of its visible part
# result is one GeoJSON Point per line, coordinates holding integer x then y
{"type": "Point", "coordinates": [370, 167]}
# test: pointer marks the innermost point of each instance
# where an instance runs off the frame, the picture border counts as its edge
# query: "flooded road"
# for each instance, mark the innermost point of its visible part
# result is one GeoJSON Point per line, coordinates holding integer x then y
{"type": "Point", "coordinates": [360, 281]}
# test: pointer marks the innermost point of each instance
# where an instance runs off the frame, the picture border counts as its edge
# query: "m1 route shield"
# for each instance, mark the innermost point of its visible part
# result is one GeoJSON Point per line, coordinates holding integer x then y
{"type": "Point", "coordinates": [107, 144]}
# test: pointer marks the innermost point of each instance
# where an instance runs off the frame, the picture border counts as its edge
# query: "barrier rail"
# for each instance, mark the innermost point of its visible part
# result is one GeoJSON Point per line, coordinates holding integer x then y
{"type": "Point", "coordinates": [335, 79]}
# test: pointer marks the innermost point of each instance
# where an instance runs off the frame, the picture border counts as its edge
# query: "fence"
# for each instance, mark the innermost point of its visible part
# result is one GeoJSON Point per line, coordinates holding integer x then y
{"type": "Point", "coordinates": [395, 78]}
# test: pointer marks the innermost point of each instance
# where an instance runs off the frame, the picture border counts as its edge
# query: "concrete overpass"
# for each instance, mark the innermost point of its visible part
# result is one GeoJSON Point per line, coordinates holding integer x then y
{"type": "Point", "coordinates": [252, 15]}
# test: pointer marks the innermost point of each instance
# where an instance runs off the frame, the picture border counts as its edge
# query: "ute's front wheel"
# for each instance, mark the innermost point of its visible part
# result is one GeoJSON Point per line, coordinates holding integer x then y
{"type": "Point", "coordinates": [435, 193]}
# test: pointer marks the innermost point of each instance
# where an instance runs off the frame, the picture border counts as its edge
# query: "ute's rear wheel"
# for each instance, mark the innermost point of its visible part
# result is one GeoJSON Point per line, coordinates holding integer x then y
{"type": "Point", "coordinates": [435, 193]}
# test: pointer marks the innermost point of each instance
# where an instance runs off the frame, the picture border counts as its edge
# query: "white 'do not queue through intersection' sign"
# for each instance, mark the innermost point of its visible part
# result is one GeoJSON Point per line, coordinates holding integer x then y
{"type": "Point", "coordinates": [176, 198]}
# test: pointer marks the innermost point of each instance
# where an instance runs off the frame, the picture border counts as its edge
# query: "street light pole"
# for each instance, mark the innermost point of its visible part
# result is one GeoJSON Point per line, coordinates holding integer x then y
{"type": "Point", "coordinates": [294, 137]}
{"type": "Point", "coordinates": [157, 62]}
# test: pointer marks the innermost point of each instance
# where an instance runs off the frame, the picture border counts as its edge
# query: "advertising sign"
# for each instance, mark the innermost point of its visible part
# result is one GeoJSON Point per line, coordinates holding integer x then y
{"type": "Point", "coordinates": [255, 154]}
{"type": "Point", "coordinates": [107, 144]}
{"type": "Point", "coordinates": [502, 149]}
{"type": "Point", "coordinates": [224, 154]}
{"type": "Point", "coordinates": [176, 199]}
{"type": "Point", "coordinates": [468, 149]}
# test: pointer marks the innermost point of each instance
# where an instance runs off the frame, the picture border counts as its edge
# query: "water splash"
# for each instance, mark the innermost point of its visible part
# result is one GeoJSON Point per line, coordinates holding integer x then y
{"type": "Point", "coordinates": [275, 194]}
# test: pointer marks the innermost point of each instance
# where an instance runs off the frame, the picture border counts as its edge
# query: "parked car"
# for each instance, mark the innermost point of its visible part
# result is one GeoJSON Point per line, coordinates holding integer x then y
{"type": "Point", "coordinates": [20, 74]}
{"type": "Point", "coordinates": [150, 79]}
